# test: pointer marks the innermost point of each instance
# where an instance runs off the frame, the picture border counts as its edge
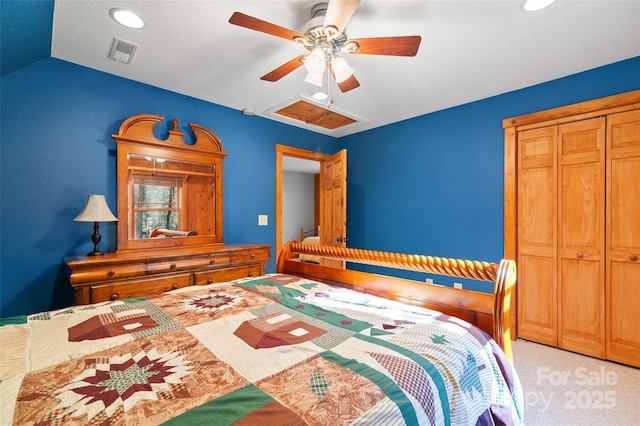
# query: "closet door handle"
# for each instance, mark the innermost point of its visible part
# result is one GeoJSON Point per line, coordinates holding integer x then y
{"type": "Point", "coordinates": [633, 257]}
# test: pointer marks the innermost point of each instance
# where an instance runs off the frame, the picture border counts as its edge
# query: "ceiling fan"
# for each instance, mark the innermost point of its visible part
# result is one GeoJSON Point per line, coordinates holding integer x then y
{"type": "Point", "coordinates": [325, 37]}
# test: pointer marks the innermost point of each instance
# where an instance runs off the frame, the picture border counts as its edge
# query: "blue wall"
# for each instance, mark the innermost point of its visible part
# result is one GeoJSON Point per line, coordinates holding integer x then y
{"type": "Point", "coordinates": [432, 184]}
{"type": "Point", "coordinates": [57, 122]}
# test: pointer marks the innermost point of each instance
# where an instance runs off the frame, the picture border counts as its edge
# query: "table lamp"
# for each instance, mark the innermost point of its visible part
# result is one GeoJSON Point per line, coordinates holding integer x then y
{"type": "Point", "coordinates": [96, 210]}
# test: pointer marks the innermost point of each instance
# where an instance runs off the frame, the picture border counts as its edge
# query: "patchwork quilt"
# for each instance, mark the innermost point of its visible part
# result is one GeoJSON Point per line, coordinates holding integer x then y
{"type": "Point", "coordinates": [276, 350]}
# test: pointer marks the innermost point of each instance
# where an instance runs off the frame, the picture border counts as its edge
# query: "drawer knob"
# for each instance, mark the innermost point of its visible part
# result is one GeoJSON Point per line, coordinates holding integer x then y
{"type": "Point", "coordinates": [250, 274]}
{"type": "Point", "coordinates": [253, 256]}
{"type": "Point", "coordinates": [580, 255]}
{"type": "Point", "coordinates": [212, 261]}
{"type": "Point", "coordinates": [172, 266]}
{"type": "Point", "coordinates": [633, 257]}
{"type": "Point", "coordinates": [210, 281]}
{"type": "Point", "coordinates": [111, 273]}
{"type": "Point", "coordinates": [174, 287]}
{"type": "Point", "coordinates": [114, 296]}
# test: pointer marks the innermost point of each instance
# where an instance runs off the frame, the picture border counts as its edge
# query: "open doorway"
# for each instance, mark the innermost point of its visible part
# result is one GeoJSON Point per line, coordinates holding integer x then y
{"type": "Point", "coordinates": [330, 203]}
{"type": "Point", "coordinates": [300, 198]}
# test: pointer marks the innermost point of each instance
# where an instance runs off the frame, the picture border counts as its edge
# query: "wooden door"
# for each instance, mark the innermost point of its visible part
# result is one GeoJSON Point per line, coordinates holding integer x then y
{"type": "Point", "coordinates": [537, 236]}
{"type": "Point", "coordinates": [581, 184]}
{"type": "Point", "coordinates": [623, 238]}
{"type": "Point", "coordinates": [333, 202]}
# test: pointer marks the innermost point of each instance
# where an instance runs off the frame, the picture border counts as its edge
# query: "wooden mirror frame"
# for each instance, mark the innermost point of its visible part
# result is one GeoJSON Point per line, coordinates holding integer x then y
{"type": "Point", "coordinates": [136, 137]}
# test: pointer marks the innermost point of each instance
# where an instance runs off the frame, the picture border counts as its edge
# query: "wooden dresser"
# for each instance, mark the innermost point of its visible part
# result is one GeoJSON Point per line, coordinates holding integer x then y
{"type": "Point", "coordinates": [170, 218]}
{"type": "Point", "coordinates": [128, 274]}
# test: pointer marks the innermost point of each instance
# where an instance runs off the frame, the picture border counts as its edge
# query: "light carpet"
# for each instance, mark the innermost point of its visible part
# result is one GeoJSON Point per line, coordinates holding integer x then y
{"type": "Point", "coordinates": [562, 388]}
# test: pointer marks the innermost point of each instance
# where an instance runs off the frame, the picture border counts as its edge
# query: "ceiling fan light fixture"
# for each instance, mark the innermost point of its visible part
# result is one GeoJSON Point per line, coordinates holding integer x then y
{"type": "Point", "coordinates": [535, 5]}
{"type": "Point", "coordinates": [315, 79]}
{"type": "Point", "coordinates": [341, 70]}
{"type": "Point", "coordinates": [126, 18]}
{"type": "Point", "coordinates": [314, 62]}
{"type": "Point", "coordinates": [320, 96]}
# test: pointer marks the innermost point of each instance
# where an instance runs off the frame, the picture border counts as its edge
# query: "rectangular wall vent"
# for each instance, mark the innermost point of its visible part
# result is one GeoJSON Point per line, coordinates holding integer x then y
{"type": "Point", "coordinates": [122, 51]}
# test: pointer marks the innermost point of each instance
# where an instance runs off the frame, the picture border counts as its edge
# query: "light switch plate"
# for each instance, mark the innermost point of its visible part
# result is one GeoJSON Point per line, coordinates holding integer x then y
{"type": "Point", "coordinates": [263, 220]}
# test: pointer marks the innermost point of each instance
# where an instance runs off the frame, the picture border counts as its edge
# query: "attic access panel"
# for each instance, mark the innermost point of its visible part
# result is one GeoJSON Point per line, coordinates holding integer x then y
{"type": "Point", "coordinates": [316, 115]}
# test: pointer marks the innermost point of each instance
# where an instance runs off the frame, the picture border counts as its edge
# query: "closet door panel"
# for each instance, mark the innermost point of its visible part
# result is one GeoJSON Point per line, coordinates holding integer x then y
{"type": "Point", "coordinates": [623, 295]}
{"type": "Point", "coordinates": [581, 237]}
{"type": "Point", "coordinates": [581, 312]}
{"type": "Point", "coordinates": [624, 213]}
{"type": "Point", "coordinates": [537, 313]}
{"type": "Point", "coordinates": [537, 236]}
{"type": "Point", "coordinates": [623, 238]}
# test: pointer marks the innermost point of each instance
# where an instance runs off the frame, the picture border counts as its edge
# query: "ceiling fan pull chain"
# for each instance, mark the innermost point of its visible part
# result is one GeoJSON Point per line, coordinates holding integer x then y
{"type": "Point", "coordinates": [329, 92]}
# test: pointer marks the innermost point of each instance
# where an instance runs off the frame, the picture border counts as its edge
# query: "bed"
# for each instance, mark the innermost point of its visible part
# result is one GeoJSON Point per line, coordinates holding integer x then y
{"type": "Point", "coordinates": [309, 344]}
{"type": "Point", "coordinates": [309, 237]}
{"type": "Point", "coordinates": [311, 233]}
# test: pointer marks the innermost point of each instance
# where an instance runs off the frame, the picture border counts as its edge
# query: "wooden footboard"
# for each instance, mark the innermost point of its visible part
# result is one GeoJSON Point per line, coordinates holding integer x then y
{"type": "Point", "coordinates": [490, 312]}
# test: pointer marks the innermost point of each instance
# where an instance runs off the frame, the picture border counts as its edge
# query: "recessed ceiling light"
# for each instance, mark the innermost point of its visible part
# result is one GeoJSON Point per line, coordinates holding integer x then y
{"type": "Point", "coordinates": [535, 5]}
{"type": "Point", "coordinates": [319, 96]}
{"type": "Point", "coordinates": [126, 18]}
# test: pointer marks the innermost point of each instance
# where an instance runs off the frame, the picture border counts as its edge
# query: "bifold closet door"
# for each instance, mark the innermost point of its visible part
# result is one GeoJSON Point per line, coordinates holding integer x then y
{"type": "Point", "coordinates": [537, 235]}
{"type": "Point", "coordinates": [581, 236]}
{"type": "Point", "coordinates": [623, 238]}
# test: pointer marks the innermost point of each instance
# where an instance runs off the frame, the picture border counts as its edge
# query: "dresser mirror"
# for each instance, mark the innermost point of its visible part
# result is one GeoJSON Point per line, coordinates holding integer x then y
{"type": "Point", "coordinates": [169, 191]}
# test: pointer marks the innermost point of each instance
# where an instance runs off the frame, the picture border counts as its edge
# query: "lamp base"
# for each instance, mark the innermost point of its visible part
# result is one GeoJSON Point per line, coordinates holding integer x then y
{"type": "Point", "coordinates": [96, 237]}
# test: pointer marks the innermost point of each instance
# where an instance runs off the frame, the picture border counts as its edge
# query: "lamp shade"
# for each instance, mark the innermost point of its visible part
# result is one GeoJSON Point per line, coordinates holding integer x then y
{"type": "Point", "coordinates": [314, 79]}
{"type": "Point", "coordinates": [314, 62]}
{"type": "Point", "coordinates": [341, 70]}
{"type": "Point", "coordinates": [96, 210]}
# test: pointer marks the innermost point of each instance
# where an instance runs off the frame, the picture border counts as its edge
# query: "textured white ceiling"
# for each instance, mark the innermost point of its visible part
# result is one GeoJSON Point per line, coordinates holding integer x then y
{"type": "Point", "coordinates": [470, 50]}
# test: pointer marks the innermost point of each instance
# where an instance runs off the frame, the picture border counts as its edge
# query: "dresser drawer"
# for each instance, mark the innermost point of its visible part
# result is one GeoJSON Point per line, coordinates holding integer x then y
{"type": "Point", "coordinates": [108, 272]}
{"type": "Point", "coordinates": [161, 267]}
{"type": "Point", "coordinates": [138, 287]}
{"type": "Point", "coordinates": [250, 256]}
{"type": "Point", "coordinates": [226, 274]}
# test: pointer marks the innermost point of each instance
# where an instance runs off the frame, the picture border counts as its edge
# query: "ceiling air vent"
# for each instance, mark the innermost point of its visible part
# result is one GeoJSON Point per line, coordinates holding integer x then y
{"type": "Point", "coordinates": [122, 51]}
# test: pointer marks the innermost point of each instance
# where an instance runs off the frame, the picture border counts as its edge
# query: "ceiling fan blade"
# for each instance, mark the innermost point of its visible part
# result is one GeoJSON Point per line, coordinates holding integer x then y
{"type": "Point", "coordinates": [284, 69]}
{"type": "Point", "coordinates": [393, 46]}
{"type": "Point", "coordinates": [338, 14]}
{"type": "Point", "coordinates": [256, 24]}
{"type": "Point", "coordinates": [349, 84]}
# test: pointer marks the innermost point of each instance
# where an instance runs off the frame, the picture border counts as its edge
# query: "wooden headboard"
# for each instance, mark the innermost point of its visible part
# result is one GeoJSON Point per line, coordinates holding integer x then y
{"type": "Point", "coordinates": [488, 311]}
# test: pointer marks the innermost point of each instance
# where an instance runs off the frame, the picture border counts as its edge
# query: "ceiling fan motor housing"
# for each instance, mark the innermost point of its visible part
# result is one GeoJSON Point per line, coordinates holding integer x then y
{"type": "Point", "coordinates": [317, 35]}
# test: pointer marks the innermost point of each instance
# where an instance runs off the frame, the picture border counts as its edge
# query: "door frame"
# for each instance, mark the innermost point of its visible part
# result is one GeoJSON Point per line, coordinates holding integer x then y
{"type": "Point", "coordinates": [288, 151]}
